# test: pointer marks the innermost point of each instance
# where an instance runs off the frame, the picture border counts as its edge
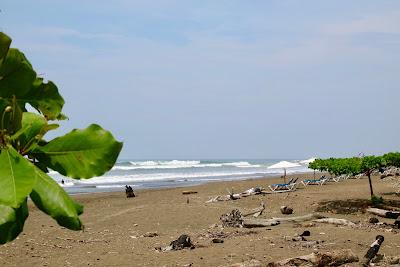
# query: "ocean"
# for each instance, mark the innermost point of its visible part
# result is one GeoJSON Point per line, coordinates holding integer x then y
{"type": "Point", "coordinates": [144, 174]}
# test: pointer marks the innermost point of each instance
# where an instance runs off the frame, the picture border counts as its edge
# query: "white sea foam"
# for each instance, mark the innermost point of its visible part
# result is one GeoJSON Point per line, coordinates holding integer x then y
{"type": "Point", "coordinates": [158, 177]}
{"type": "Point", "coordinates": [180, 164]}
{"type": "Point", "coordinates": [67, 184]}
{"type": "Point", "coordinates": [307, 161]}
{"type": "Point", "coordinates": [113, 186]}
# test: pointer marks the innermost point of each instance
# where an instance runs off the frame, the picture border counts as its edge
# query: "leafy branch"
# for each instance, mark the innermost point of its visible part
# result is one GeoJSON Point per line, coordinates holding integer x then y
{"type": "Point", "coordinates": [25, 156]}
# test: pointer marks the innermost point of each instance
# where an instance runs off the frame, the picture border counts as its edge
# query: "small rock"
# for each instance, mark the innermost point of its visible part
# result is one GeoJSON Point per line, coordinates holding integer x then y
{"type": "Point", "coordinates": [306, 233]}
{"type": "Point", "coordinates": [218, 240]}
{"type": "Point", "coordinates": [373, 220]}
{"type": "Point", "coordinates": [286, 210]}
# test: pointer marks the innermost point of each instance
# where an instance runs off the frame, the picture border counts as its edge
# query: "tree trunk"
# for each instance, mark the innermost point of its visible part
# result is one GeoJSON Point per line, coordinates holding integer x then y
{"type": "Point", "coordinates": [370, 183]}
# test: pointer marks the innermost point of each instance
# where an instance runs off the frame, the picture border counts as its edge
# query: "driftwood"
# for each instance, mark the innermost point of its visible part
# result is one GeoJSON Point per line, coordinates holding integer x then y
{"type": "Point", "coordinates": [188, 192]}
{"type": "Point", "coordinates": [335, 221]}
{"type": "Point", "coordinates": [250, 223]}
{"type": "Point", "coordinates": [182, 242]}
{"type": "Point", "coordinates": [297, 219]}
{"type": "Point", "coordinates": [329, 258]}
{"type": "Point", "coordinates": [384, 213]}
{"type": "Point", "coordinates": [232, 219]}
{"type": "Point", "coordinates": [256, 212]}
{"type": "Point", "coordinates": [373, 250]}
{"type": "Point", "coordinates": [232, 196]}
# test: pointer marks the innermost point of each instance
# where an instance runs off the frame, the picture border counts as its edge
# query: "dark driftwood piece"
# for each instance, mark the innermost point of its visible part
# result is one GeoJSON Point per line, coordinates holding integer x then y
{"type": "Point", "coordinates": [329, 258]}
{"type": "Point", "coordinates": [182, 242]}
{"type": "Point", "coordinates": [384, 213]}
{"type": "Point", "coordinates": [252, 223]}
{"type": "Point", "coordinates": [373, 250]}
{"type": "Point", "coordinates": [188, 192]}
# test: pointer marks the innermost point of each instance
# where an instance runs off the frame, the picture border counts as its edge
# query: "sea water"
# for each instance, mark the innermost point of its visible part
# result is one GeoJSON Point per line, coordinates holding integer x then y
{"type": "Point", "coordinates": [141, 174]}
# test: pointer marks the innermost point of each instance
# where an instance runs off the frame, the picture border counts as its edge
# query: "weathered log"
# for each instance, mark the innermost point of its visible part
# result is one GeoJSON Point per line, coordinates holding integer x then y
{"type": "Point", "coordinates": [335, 221]}
{"type": "Point", "coordinates": [188, 192]}
{"type": "Point", "coordinates": [384, 213]}
{"type": "Point", "coordinates": [373, 250]}
{"type": "Point", "coordinates": [231, 196]}
{"type": "Point", "coordinates": [218, 198]}
{"type": "Point", "coordinates": [329, 258]}
{"type": "Point", "coordinates": [256, 212]}
{"type": "Point", "coordinates": [303, 218]}
{"type": "Point", "coordinates": [250, 223]}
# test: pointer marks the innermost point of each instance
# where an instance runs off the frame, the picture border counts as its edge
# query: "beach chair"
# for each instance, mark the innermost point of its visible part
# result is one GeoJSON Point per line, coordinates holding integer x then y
{"type": "Point", "coordinates": [289, 186]}
{"type": "Point", "coordinates": [319, 181]}
{"type": "Point", "coordinates": [338, 178]}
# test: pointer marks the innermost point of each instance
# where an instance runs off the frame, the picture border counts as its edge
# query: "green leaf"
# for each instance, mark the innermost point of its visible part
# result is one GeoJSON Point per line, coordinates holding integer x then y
{"type": "Point", "coordinates": [80, 153]}
{"type": "Point", "coordinates": [49, 197]}
{"type": "Point", "coordinates": [5, 42]}
{"type": "Point", "coordinates": [17, 177]}
{"type": "Point", "coordinates": [10, 120]}
{"type": "Point", "coordinates": [12, 221]}
{"type": "Point", "coordinates": [16, 75]}
{"type": "Point", "coordinates": [45, 98]}
{"type": "Point", "coordinates": [33, 128]}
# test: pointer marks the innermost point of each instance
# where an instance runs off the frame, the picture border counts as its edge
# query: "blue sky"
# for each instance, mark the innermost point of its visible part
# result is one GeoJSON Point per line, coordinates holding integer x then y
{"type": "Point", "coordinates": [221, 79]}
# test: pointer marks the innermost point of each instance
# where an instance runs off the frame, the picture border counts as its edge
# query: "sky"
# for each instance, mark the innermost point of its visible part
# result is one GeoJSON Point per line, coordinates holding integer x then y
{"type": "Point", "coordinates": [221, 79]}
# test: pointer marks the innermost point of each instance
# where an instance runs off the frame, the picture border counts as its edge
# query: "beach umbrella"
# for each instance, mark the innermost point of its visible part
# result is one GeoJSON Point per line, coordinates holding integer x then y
{"type": "Point", "coordinates": [284, 165]}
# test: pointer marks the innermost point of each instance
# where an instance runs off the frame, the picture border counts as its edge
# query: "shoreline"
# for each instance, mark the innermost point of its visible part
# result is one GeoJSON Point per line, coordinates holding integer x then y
{"type": "Point", "coordinates": [114, 188]}
{"type": "Point", "coordinates": [116, 228]}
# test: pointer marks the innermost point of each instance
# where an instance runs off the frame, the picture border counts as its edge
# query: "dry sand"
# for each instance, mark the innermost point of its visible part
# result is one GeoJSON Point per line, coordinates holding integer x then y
{"type": "Point", "coordinates": [115, 227]}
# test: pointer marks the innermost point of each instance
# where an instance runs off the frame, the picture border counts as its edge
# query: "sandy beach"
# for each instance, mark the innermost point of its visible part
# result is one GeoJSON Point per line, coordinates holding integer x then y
{"type": "Point", "coordinates": [118, 230]}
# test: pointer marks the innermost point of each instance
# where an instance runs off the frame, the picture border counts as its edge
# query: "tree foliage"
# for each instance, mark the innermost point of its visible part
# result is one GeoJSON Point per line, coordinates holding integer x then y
{"type": "Point", "coordinates": [25, 156]}
{"type": "Point", "coordinates": [357, 165]}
